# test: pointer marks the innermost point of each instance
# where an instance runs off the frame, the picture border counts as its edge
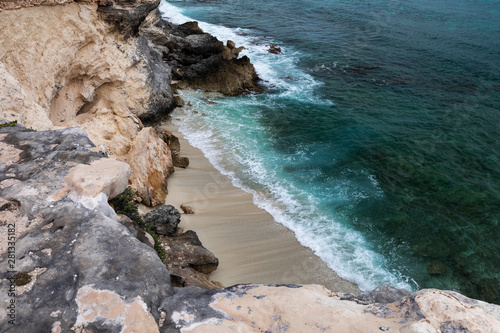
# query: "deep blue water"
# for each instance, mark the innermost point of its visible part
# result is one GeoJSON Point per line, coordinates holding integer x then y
{"type": "Point", "coordinates": [377, 140]}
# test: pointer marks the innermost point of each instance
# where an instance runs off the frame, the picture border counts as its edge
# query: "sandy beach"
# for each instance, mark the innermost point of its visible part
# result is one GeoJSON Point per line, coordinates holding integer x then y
{"type": "Point", "coordinates": [250, 245]}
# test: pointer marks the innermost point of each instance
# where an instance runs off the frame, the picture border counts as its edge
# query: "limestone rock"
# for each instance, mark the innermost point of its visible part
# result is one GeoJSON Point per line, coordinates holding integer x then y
{"type": "Point", "coordinates": [312, 308]}
{"type": "Point", "coordinates": [164, 220]}
{"type": "Point", "coordinates": [187, 209]}
{"type": "Point", "coordinates": [186, 250]}
{"type": "Point", "coordinates": [88, 271]}
{"type": "Point", "coordinates": [175, 147]}
{"type": "Point", "coordinates": [151, 163]}
{"type": "Point", "coordinates": [107, 176]}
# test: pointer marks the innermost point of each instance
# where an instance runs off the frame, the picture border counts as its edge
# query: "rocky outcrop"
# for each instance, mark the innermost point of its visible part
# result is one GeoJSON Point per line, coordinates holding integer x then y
{"type": "Point", "coordinates": [199, 60]}
{"type": "Point", "coordinates": [75, 71]}
{"type": "Point", "coordinates": [87, 270]}
{"type": "Point", "coordinates": [312, 308]}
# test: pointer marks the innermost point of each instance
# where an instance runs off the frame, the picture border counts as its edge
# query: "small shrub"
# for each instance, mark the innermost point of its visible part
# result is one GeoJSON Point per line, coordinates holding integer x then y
{"type": "Point", "coordinates": [9, 124]}
{"type": "Point", "coordinates": [21, 279]}
{"type": "Point", "coordinates": [124, 204]}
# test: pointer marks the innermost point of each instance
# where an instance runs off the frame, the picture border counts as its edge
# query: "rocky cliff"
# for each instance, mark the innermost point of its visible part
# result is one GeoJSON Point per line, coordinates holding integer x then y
{"type": "Point", "coordinates": [87, 79]}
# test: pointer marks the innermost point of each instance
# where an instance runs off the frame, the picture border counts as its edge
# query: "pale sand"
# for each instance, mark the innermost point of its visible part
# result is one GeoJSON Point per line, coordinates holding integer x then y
{"type": "Point", "coordinates": [250, 245]}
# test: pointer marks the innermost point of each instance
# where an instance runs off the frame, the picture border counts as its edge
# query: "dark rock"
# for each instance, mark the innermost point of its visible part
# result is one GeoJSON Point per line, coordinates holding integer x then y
{"type": "Point", "coordinates": [186, 250]}
{"type": "Point", "coordinates": [175, 147]}
{"type": "Point", "coordinates": [205, 45]}
{"type": "Point", "coordinates": [274, 49]}
{"type": "Point", "coordinates": [181, 162]}
{"type": "Point", "coordinates": [216, 74]}
{"type": "Point", "coordinates": [161, 100]}
{"type": "Point", "coordinates": [126, 16]}
{"type": "Point", "coordinates": [193, 28]}
{"type": "Point", "coordinates": [453, 327]}
{"type": "Point", "coordinates": [436, 268]}
{"type": "Point", "coordinates": [164, 220]}
{"type": "Point", "coordinates": [201, 60]}
{"type": "Point", "coordinates": [230, 44]}
{"type": "Point", "coordinates": [179, 101]}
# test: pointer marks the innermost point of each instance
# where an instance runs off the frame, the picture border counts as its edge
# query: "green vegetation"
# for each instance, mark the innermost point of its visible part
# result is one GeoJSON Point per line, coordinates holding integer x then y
{"type": "Point", "coordinates": [22, 278]}
{"type": "Point", "coordinates": [124, 204]}
{"type": "Point", "coordinates": [9, 124]}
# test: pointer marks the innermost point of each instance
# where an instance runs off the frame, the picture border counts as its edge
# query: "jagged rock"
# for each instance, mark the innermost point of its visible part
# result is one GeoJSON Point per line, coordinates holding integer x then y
{"type": "Point", "coordinates": [274, 49]}
{"type": "Point", "coordinates": [203, 61]}
{"type": "Point", "coordinates": [187, 209]}
{"type": "Point", "coordinates": [81, 260]}
{"type": "Point", "coordinates": [193, 27]}
{"type": "Point", "coordinates": [179, 102]}
{"type": "Point", "coordinates": [151, 163]}
{"type": "Point", "coordinates": [164, 220]}
{"type": "Point", "coordinates": [205, 45]}
{"type": "Point", "coordinates": [126, 16]}
{"type": "Point", "coordinates": [186, 250]}
{"type": "Point", "coordinates": [216, 74]}
{"type": "Point", "coordinates": [175, 147]}
{"type": "Point", "coordinates": [230, 44]}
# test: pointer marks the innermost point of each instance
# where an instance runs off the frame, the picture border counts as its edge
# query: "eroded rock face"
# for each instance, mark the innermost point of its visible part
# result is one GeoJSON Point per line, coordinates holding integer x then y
{"type": "Point", "coordinates": [78, 71]}
{"type": "Point", "coordinates": [151, 163]}
{"type": "Point", "coordinates": [200, 60]}
{"type": "Point", "coordinates": [86, 268]}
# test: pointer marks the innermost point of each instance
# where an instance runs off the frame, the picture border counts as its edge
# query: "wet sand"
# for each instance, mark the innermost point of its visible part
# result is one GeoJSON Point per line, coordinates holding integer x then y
{"type": "Point", "coordinates": [250, 245]}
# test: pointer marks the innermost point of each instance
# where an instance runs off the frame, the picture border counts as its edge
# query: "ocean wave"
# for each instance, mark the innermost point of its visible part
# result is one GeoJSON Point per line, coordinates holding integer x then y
{"type": "Point", "coordinates": [234, 141]}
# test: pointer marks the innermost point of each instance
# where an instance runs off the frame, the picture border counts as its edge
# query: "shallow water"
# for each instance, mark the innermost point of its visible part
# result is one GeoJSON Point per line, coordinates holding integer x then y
{"type": "Point", "coordinates": [378, 138]}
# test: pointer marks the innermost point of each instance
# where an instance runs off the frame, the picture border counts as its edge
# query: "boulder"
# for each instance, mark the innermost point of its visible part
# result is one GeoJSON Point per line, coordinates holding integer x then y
{"type": "Point", "coordinates": [151, 163]}
{"type": "Point", "coordinates": [230, 44]}
{"type": "Point", "coordinates": [164, 220]}
{"type": "Point", "coordinates": [187, 209]}
{"type": "Point", "coordinates": [274, 49]}
{"type": "Point", "coordinates": [186, 250]}
{"type": "Point", "coordinates": [205, 45]}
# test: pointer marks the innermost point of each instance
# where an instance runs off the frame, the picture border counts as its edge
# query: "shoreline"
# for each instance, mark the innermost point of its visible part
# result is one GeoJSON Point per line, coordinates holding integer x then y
{"type": "Point", "coordinates": [250, 245]}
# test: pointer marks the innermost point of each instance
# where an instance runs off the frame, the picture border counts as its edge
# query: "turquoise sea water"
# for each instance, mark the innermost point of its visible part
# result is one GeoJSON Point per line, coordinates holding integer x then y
{"type": "Point", "coordinates": [377, 140]}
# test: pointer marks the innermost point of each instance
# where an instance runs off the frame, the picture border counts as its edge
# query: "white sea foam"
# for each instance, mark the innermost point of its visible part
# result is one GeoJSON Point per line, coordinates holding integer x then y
{"type": "Point", "coordinates": [236, 145]}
